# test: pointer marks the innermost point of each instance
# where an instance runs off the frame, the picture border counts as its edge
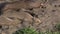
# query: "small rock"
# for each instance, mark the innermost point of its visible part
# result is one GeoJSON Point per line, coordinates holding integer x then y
{"type": "Point", "coordinates": [36, 21]}
{"type": "Point", "coordinates": [35, 4]}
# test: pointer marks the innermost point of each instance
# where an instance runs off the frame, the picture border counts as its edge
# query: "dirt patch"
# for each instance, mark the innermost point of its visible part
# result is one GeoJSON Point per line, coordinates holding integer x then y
{"type": "Point", "coordinates": [40, 14]}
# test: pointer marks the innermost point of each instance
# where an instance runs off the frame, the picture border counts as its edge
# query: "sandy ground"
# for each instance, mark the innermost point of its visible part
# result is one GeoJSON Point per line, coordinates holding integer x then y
{"type": "Point", "coordinates": [40, 14]}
